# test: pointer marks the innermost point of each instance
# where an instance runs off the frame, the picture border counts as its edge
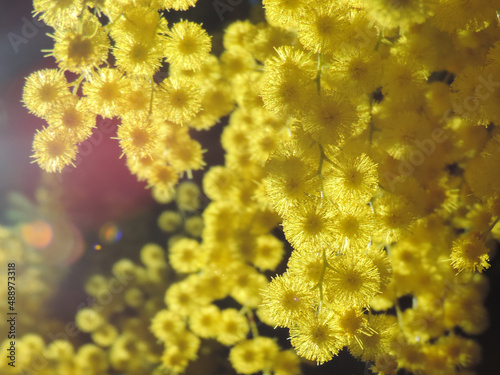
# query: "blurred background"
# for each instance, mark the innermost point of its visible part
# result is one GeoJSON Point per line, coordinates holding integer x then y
{"type": "Point", "coordinates": [98, 212]}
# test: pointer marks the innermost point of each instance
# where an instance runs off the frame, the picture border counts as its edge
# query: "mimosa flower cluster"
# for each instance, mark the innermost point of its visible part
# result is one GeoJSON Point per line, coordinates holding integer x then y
{"type": "Point", "coordinates": [366, 129]}
{"type": "Point", "coordinates": [112, 65]}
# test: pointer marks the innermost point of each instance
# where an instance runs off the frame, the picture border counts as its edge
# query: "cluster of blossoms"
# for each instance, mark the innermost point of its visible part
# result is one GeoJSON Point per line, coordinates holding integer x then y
{"type": "Point", "coordinates": [113, 52]}
{"type": "Point", "coordinates": [366, 128]}
{"type": "Point", "coordinates": [39, 285]}
{"type": "Point", "coordinates": [378, 186]}
{"type": "Point", "coordinates": [124, 345]}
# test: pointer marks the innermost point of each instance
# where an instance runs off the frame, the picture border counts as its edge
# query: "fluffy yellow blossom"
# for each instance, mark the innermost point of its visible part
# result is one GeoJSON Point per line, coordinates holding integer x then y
{"type": "Point", "coordinates": [286, 300]}
{"type": "Point", "coordinates": [470, 253]}
{"type": "Point", "coordinates": [286, 92]}
{"type": "Point", "coordinates": [289, 179]}
{"type": "Point", "coordinates": [170, 221]}
{"type": "Point", "coordinates": [82, 49]}
{"type": "Point", "coordinates": [105, 92]}
{"type": "Point", "coordinates": [375, 342]}
{"type": "Point", "coordinates": [140, 23]}
{"type": "Point", "coordinates": [352, 178]}
{"type": "Point", "coordinates": [137, 136]}
{"type": "Point", "coordinates": [322, 28]}
{"type": "Point", "coordinates": [43, 90]}
{"type": "Point", "coordinates": [312, 226]}
{"type": "Point", "coordinates": [73, 118]}
{"type": "Point", "coordinates": [353, 281]}
{"type": "Point", "coordinates": [233, 327]}
{"type": "Point", "coordinates": [247, 357]}
{"type": "Point", "coordinates": [178, 99]}
{"type": "Point", "coordinates": [185, 256]}
{"type": "Point", "coordinates": [166, 324]}
{"type": "Point", "coordinates": [187, 45]}
{"type": "Point", "coordinates": [177, 4]}
{"type": "Point", "coordinates": [284, 12]}
{"type": "Point", "coordinates": [316, 337]}
{"type": "Point", "coordinates": [205, 322]}
{"type": "Point", "coordinates": [286, 363]}
{"type": "Point", "coordinates": [163, 177]}
{"type": "Point", "coordinates": [58, 13]}
{"type": "Point", "coordinates": [138, 58]}
{"type": "Point", "coordinates": [52, 150]}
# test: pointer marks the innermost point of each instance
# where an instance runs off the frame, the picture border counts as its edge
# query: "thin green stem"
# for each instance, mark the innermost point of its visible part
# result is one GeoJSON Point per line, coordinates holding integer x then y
{"type": "Point", "coordinates": [151, 98]}
{"type": "Point", "coordinates": [399, 313]}
{"type": "Point", "coordinates": [319, 285]}
{"type": "Point", "coordinates": [319, 70]}
{"type": "Point", "coordinates": [490, 228]}
{"type": "Point", "coordinates": [76, 84]}
{"type": "Point", "coordinates": [321, 159]}
{"type": "Point", "coordinates": [371, 126]}
{"type": "Point", "coordinates": [319, 172]}
{"type": "Point", "coordinates": [323, 156]}
{"type": "Point", "coordinates": [251, 322]}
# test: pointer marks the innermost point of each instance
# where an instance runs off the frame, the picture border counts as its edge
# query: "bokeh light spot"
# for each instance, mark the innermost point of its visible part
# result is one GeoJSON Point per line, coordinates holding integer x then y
{"type": "Point", "coordinates": [110, 233]}
{"type": "Point", "coordinates": [37, 233]}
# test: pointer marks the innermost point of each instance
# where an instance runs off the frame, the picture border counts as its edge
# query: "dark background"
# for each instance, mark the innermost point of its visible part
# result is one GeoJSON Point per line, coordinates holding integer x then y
{"type": "Point", "coordinates": [102, 190]}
